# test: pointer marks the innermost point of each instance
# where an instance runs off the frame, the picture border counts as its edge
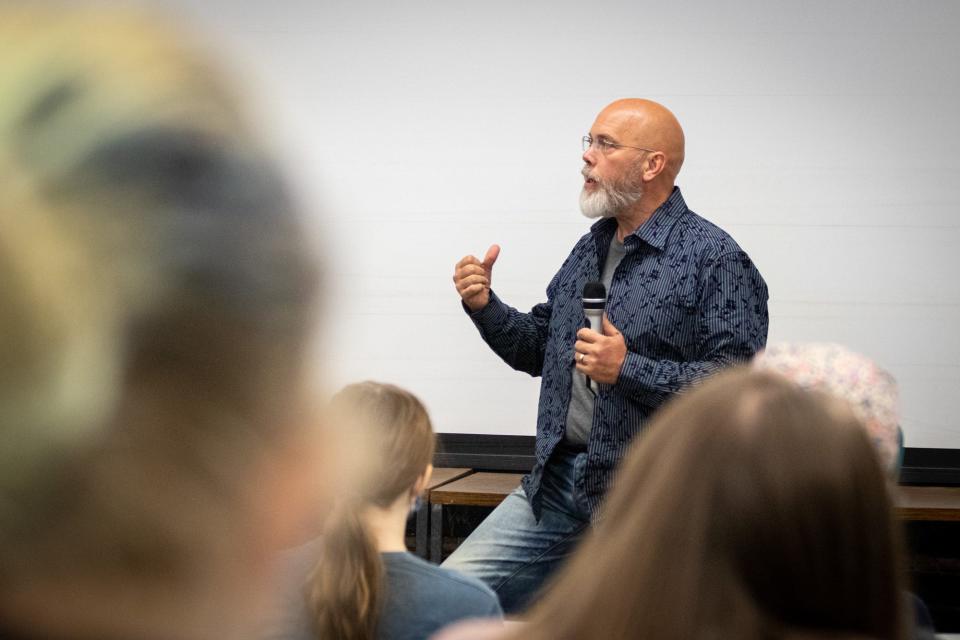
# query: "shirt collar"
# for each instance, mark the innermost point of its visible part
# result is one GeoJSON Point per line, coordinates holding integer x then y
{"type": "Point", "coordinates": [655, 230]}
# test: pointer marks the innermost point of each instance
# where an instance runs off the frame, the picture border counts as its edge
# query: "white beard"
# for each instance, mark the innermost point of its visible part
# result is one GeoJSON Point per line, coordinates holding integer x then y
{"type": "Point", "coordinates": [608, 200]}
{"type": "Point", "coordinates": [597, 204]}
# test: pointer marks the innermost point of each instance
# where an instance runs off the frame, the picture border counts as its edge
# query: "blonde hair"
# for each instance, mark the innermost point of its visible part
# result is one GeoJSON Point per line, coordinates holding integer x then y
{"type": "Point", "coordinates": [157, 298]}
{"type": "Point", "coordinates": [346, 588]}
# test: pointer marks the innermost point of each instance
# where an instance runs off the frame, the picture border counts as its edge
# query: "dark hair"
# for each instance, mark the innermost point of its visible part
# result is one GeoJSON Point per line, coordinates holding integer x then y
{"type": "Point", "coordinates": [749, 509]}
{"type": "Point", "coordinates": [346, 588]}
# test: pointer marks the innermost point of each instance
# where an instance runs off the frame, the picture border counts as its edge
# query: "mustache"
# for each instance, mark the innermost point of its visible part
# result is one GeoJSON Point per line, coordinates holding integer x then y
{"type": "Point", "coordinates": [585, 172]}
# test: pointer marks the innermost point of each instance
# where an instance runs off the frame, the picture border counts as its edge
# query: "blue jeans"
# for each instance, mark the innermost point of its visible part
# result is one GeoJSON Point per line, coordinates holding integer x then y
{"type": "Point", "coordinates": [511, 551]}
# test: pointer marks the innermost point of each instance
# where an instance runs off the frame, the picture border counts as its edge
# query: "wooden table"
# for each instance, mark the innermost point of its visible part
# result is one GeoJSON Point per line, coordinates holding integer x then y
{"type": "Point", "coordinates": [485, 489]}
{"type": "Point", "coordinates": [477, 489]}
{"type": "Point", "coordinates": [928, 503]}
{"type": "Point", "coordinates": [440, 477]}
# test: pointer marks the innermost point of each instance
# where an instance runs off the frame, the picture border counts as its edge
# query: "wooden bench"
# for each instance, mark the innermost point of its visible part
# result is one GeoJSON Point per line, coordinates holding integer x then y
{"type": "Point", "coordinates": [440, 477]}
{"type": "Point", "coordinates": [482, 489]}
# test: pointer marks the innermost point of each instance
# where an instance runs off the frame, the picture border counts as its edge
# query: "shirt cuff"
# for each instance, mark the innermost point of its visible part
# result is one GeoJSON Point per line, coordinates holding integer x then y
{"type": "Point", "coordinates": [492, 315]}
{"type": "Point", "coordinates": [638, 379]}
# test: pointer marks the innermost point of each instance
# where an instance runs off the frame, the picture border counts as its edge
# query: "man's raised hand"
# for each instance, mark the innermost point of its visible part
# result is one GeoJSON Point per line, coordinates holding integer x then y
{"type": "Point", "coordinates": [472, 278]}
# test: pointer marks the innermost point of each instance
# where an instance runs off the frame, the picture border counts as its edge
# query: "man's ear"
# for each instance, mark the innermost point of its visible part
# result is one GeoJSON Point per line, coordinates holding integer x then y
{"type": "Point", "coordinates": [421, 484]}
{"type": "Point", "coordinates": [656, 163]}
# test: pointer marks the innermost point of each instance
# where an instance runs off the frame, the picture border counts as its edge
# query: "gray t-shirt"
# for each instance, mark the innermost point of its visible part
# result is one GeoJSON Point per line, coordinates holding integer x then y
{"type": "Point", "coordinates": [580, 413]}
{"type": "Point", "coordinates": [419, 599]}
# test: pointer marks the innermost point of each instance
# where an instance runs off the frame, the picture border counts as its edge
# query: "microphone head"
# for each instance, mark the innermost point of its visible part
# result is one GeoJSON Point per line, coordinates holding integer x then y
{"type": "Point", "coordinates": [594, 291]}
{"type": "Point", "coordinates": [594, 296]}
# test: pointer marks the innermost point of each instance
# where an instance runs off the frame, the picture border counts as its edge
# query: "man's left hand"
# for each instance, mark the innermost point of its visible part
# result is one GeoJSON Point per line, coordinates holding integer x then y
{"type": "Point", "coordinates": [600, 356]}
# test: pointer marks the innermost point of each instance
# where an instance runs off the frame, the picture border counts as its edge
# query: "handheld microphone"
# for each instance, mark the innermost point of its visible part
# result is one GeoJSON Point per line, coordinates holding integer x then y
{"type": "Point", "coordinates": [594, 300]}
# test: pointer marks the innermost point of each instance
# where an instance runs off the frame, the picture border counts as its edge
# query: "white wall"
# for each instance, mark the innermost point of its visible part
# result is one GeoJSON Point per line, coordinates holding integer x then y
{"type": "Point", "coordinates": [823, 135]}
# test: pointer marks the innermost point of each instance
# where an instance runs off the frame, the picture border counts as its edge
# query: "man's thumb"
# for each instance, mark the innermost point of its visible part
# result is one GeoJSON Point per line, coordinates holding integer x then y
{"type": "Point", "coordinates": [492, 253]}
{"type": "Point", "coordinates": [608, 328]}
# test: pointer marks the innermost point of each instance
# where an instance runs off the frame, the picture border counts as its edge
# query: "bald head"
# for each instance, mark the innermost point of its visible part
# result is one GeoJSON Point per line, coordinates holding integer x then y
{"type": "Point", "coordinates": [644, 123]}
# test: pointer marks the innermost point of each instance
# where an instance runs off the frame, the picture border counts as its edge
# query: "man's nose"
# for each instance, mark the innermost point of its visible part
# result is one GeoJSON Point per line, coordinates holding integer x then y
{"type": "Point", "coordinates": [589, 157]}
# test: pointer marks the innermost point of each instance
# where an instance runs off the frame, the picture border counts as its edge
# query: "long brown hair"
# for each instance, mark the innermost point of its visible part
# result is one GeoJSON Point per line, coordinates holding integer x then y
{"type": "Point", "coordinates": [751, 509]}
{"type": "Point", "coordinates": [346, 588]}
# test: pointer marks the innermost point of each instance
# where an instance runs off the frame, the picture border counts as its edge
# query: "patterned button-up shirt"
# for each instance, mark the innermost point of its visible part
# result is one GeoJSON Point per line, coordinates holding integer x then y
{"type": "Point", "coordinates": [688, 302]}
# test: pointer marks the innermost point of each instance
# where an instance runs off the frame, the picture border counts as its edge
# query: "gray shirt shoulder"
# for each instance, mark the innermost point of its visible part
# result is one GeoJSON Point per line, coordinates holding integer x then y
{"type": "Point", "coordinates": [419, 598]}
{"type": "Point", "coordinates": [422, 598]}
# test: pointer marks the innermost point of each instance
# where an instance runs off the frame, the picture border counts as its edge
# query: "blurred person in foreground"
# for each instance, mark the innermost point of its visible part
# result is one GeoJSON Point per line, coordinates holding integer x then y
{"type": "Point", "coordinates": [156, 299]}
{"type": "Point", "coordinates": [752, 509]}
{"type": "Point", "coordinates": [872, 394]}
{"type": "Point", "coordinates": [364, 583]}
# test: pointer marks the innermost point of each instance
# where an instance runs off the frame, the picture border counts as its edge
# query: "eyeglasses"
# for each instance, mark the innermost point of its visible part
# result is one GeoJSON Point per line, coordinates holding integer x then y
{"type": "Point", "coordinates": [606, 146]}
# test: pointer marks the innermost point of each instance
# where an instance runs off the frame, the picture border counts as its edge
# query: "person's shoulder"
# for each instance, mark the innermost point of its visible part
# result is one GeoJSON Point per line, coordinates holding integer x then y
{"type": "Point", "coordinates": [706, 236]}
{"type": "Point", "coordinates": [444, 578]}
{"type": "Point", "coordinates": [411, 564]}
{"type": "Point", "coordinates": [422, 598]}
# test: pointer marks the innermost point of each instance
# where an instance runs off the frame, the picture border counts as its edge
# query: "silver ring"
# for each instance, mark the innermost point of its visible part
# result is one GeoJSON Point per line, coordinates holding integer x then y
{"type": "Point", "coordinates": [580, 358]}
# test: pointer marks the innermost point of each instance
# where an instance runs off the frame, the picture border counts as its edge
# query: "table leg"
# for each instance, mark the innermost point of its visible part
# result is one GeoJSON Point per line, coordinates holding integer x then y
{"type": "Point", "coordinates": [436, 533]}
{"type": "Point", "coordinates": [422, 527]}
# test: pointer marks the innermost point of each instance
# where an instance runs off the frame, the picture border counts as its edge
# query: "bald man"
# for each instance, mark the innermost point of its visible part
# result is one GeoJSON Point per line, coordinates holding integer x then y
{"type": "Point", "coordinates": [683, 301]}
